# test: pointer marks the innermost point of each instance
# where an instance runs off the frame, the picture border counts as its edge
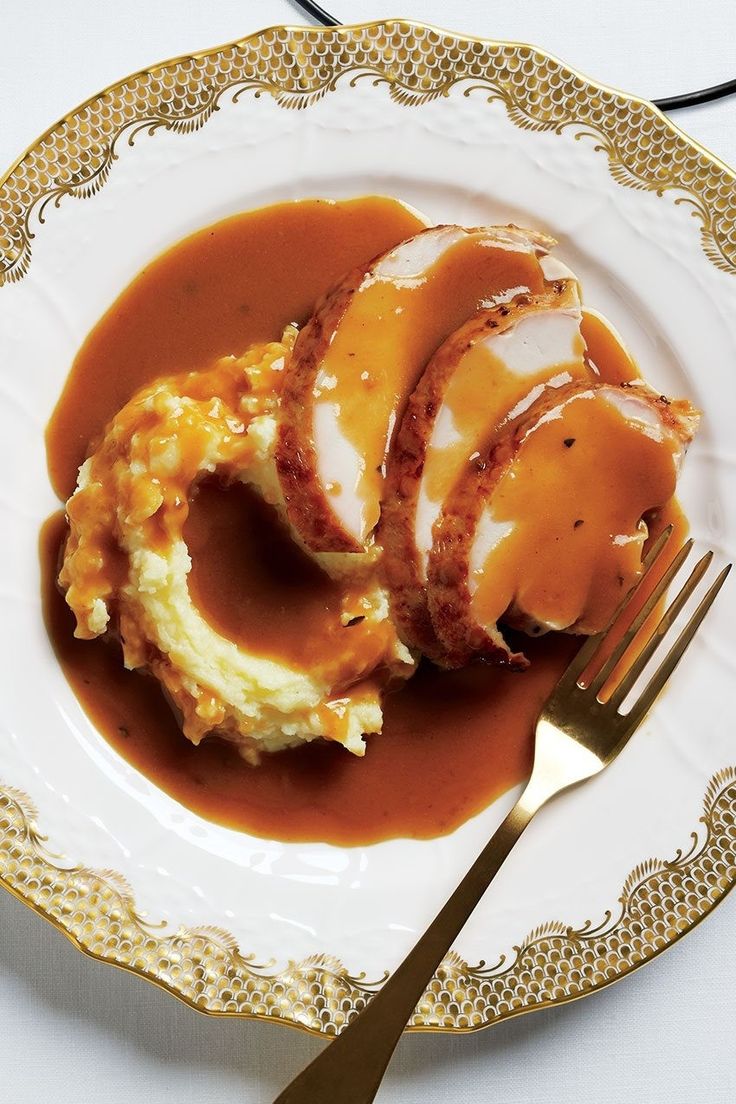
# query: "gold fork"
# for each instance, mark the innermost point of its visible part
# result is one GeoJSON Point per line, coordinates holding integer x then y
{"type": "Point", "coordinates": [579, 732]}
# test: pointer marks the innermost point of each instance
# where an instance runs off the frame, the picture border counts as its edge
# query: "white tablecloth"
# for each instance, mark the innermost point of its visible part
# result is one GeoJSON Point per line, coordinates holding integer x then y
{"type": "Point", "coordinates": [73, 1032]}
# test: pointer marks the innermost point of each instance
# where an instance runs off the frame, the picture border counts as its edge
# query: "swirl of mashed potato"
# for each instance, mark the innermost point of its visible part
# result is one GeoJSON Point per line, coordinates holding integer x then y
{"type": "Point", "coordinates": [126, 564]}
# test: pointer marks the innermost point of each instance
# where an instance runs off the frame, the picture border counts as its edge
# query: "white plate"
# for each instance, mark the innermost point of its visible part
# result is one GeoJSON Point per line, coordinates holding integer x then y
{"type": "Point", "coordinates": [467, 131]}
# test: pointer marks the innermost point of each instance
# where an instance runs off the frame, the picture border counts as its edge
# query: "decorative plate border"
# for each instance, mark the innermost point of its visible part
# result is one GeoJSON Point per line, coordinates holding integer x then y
{"type": "Point", "coordinates": [416, 63]}
{"type": "Point", "coordinates": [659, 903]}
{"type": "Point", "coordinates": [661, 900]}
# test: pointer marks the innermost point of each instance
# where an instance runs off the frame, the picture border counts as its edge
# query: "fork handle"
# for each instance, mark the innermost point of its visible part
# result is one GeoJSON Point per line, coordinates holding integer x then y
{"type": "Point", "coordinates": [351, 1068]}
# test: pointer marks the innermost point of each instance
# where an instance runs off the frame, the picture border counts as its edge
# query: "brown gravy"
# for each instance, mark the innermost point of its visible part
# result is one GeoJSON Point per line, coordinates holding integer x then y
{"type": "Point", "coordinates": [574, 513]}
{"type": "Point", "coordinates": [253, 598]}
{"type": "Point", "coordinates": [215, 293]}
{"type": "Point", "coordinates": [452, 742]}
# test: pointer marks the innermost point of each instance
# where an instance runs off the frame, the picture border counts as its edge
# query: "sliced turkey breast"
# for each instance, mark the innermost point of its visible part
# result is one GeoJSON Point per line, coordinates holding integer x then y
{"type": "Point", "coordinates": [359, 357]}
{"type": "Point", "coordinates": [487, 373]}
{"type": "Point", "coordinates": [547, 530]}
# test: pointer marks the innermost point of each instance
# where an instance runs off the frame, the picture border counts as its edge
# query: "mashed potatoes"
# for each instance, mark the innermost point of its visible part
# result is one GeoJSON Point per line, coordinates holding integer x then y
{"type": "Point", "coordinates": [126, 565]}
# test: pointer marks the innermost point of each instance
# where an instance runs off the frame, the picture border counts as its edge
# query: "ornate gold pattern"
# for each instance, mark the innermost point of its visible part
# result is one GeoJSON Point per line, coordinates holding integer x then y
{"type": "Point", "coordinates": [660, 901]}
{"type": "Point", "coordinates": [204, 967]}
{"type": "Point", "coordinates": [297, 66]}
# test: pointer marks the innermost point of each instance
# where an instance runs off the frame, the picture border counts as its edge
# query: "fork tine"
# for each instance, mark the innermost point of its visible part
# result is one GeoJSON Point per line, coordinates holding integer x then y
{"type": "Point", "coordinates": [659, 632]}
{"type": "Point", "coordinates": [602, 677]}
{"type": "Point", "coordinates": [580, 660]}
{"type": "Point", "coordinates": [585, 653]}
{"type": "Point", "coordinates": [673, 657]}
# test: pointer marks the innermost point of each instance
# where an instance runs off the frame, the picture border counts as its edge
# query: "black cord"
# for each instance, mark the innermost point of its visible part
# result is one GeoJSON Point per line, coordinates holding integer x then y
{"type": "Point", "coordinates": [703, 95]}
{"type": "Point", "coordinates": [668, 103]}
{"type": "Point", "coordinates": [318, 13]}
